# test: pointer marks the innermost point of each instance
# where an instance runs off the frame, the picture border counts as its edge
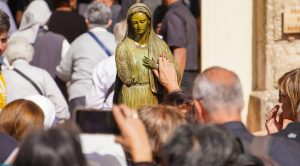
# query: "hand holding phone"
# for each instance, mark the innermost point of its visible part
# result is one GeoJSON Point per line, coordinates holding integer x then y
{"type": "Point", "coordinates": [133, 134]}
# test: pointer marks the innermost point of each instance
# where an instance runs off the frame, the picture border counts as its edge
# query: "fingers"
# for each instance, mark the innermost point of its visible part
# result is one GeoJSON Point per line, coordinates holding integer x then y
{"type": "Point", "coordinates": [281, 119]}
{"type": "Point", "coordinates": [146, 60]}
{"type": "Point", "coordinates": [119, 116]}
{"type": "Point", "coordinates": [126, 110]}
{"type": "Point", "coordinates": [119, 140]}
{"type": "Point", "coordinates": [163, 61]}
{"type": "Point", "coordinates": [155, 72]}
{"type": "Point", "coordinates": [273, 112]}
{"type": "Point", "coordinates": [160, 62]}
{"type": "Point", "coordinates": [275, 109]}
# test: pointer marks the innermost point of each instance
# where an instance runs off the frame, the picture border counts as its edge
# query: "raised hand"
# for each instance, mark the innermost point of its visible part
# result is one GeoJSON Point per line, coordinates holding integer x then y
{"type": "Point", "coordinates": [133, 137]}
{"type": "Point", "coordinates": [150, 63]}
{"type": "Point", "coordinates": [272, 124]}
{"type": "Point", "coordinates": [130, 81]}
{"type": "Point", "coordinates": [166, 74]}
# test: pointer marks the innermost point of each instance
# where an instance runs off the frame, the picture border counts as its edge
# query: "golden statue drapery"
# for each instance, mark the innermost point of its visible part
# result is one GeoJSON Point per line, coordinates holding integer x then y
{"type": "Point", "coordinates": [136, 85]}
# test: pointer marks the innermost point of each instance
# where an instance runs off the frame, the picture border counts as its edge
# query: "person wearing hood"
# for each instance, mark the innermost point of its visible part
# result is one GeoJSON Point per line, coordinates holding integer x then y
{"type": "Point", "coordinates": [47, 107]}
{"type": "Point", "coordinates": [49, 47]}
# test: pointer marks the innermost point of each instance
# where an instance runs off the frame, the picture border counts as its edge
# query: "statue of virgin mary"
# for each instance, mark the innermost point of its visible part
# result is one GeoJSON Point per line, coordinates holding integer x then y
{"type": "Point", "coordinates": [136, 85]}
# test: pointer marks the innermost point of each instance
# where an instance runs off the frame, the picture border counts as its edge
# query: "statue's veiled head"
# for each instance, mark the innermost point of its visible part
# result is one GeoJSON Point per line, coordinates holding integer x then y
{"type": "Point", "coordinates": [138, 20]}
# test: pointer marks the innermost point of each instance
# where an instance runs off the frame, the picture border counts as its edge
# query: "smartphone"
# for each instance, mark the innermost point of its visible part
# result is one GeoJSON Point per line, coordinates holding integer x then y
{"type": "Point", "coordinates": [96, 121]}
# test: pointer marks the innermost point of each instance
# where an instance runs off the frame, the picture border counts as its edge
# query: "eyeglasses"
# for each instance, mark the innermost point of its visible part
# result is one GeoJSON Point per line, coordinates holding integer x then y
{"type": "Point", "coordinates": [282, 95]}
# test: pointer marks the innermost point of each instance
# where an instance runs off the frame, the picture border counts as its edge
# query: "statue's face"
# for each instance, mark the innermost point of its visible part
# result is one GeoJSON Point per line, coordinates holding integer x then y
{"type": "Point", "coordinates": [140, 22]}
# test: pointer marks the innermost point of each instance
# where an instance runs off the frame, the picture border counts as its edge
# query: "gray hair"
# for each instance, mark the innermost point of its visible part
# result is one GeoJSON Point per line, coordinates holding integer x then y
{"type": "Point", "coordinates": [98, 14]}
{"type": "Point", "coordinates": [119, 31]}
{"type": "Point", "coordinates": [218, 87]}
{"type": "Point", "coordinates": [19, 48]}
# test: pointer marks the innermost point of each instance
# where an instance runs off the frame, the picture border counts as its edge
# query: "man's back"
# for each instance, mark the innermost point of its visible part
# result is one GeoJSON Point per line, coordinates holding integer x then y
{"type": "Point", "coordinates": [84, 54]}
{"type": "Point", "coordinates": [48, 51]}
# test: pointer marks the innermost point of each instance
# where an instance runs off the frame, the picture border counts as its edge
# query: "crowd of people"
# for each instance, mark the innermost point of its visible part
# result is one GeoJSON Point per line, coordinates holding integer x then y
{"type": "Point", "coordinates": [100, 54]}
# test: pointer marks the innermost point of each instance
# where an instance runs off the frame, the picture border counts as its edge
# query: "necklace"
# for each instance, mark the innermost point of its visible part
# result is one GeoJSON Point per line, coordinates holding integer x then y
{"type": "Point", "coordinates": [140, 45]}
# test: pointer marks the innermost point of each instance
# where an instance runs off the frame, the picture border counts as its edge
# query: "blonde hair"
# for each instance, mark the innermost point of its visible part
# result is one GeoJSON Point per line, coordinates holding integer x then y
{"type": "Point", "coordinates": [20, 117]}
{"type": "Point", "coordinates": [289, 83]}
{"type": "Point", "coordinates": [160, 122]}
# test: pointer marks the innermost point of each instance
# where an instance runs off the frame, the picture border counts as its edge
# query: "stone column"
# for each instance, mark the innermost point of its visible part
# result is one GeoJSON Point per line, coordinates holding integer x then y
{"type": "Point", "coordinates": [274, 53]}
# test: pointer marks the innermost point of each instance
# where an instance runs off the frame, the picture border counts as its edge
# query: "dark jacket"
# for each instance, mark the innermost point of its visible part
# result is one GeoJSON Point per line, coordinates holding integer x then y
{"type": "Point", "coordinates": [7, 145]}
{"type": "Point", "coordinates": [283, 151]}
{"type": "Point", "coordinates": [292, 132]}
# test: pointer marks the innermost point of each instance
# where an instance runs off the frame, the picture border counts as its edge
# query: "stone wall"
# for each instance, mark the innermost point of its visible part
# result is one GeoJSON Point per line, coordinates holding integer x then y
{"type": "Point", "coordinates": [274, 54]}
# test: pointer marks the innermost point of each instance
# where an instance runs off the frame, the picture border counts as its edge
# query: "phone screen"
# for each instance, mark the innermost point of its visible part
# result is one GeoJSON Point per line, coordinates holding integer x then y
{"type": "Point", "coordinates": [95, 121]}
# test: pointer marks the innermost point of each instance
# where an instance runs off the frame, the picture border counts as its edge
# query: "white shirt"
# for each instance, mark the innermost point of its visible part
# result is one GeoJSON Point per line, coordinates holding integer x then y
{"type": "Point", "coordinates": [104, 76]}
{"type": "Point", "coordinates": [77, 65]}
{"type": "Point", "coordinates": [18, 87]}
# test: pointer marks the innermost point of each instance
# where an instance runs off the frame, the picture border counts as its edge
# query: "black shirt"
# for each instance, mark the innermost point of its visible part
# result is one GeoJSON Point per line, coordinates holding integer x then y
{"type": "Point", "coordinates": [292, 131]}
{"type": "Point", "coordinates": [68, 24]}
{"type": "Point", "coordinates": [179, 29]}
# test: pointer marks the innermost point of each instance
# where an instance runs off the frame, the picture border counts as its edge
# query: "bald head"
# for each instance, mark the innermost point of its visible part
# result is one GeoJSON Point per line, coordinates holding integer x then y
{"type": "Point", "coordinates": [217, 88]}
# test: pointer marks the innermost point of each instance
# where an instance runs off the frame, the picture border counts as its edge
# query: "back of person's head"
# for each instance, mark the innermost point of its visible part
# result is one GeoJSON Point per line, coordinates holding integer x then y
{"type": "Point", "coordinates": [37, 12]}
{"type": "Point", "coordinates": [119, 31]}
{"type": "Point", "coordinates": [160, 122]}
{"type": "Point", "coordinates": [54, 147]}
{"type": "Point", "coordinates": [183, 101]}
{"type": "Point", "coordinates": [47, 107]}
{"type": "Point", "coordinates": [289, 84]}
{"type": "Point", "coordinates": [209, 145]}
{"type": "Point", "coordinates": [4, 22]}
{"type": "Point", "coordinates": [218, 88]}
{"type": "Point", "coordinates": [19, 48]}
{"type": "Point", "coordinates": [98, 14]}
{"type": "Point", "coordinates": [20, 117]}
